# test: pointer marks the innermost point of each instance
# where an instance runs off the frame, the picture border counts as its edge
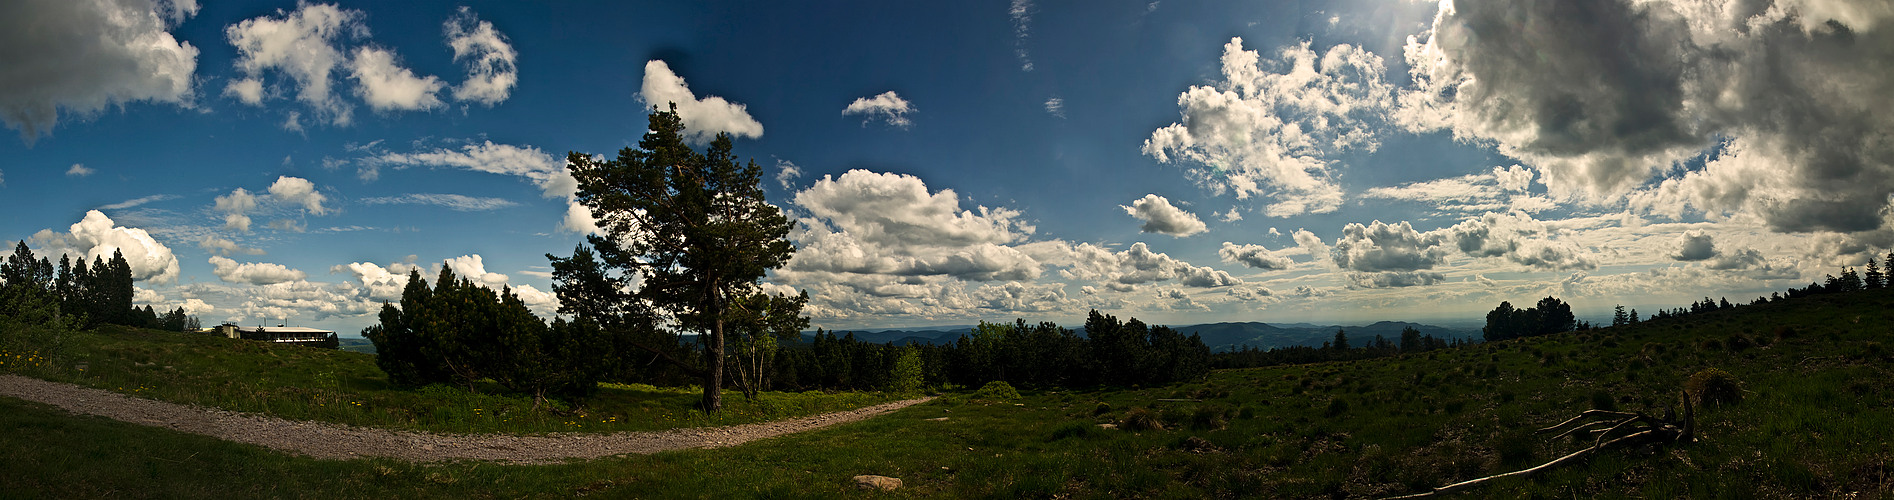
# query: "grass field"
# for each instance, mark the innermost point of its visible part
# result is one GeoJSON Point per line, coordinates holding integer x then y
{"type": "Point", "coordinates": [345, 387]}
{"type": "Point", "coordinates": [1813, 421]}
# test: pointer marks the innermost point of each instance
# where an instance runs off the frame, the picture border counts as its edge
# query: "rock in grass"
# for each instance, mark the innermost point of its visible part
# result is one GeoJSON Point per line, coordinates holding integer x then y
{"type": "Point", "coordinates": [883, 483]}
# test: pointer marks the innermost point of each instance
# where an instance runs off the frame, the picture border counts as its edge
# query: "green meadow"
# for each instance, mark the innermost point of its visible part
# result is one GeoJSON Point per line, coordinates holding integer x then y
{"type": "Point", "coordinates": [1812, 421]}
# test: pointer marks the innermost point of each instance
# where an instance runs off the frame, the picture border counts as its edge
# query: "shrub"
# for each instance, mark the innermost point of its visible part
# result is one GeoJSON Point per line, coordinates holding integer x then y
{"type": "Point", "coordinates": [1785, 332]}
{"type": "Point", "coordinates": [1514, 448]}
{"type": "Point", "coordinates": [1601, 400]}
{"type": "Point", "coordinates": [1139, 420]}
{"type": "Point", "coordinates": [997, 390]}
{"type": "Point", "coordinates": [1738, 342]}
{"type": "Point", "coordinates": [1103, 408]}
{"type": "Point", "coordinates": [1210, 418]}
{"type": "Point", "coordinates": [1336, 407]}
{"type": "Point", "coordinates": [1714, 387]}
{"type": "Point", "coordinates": [1711, 345]}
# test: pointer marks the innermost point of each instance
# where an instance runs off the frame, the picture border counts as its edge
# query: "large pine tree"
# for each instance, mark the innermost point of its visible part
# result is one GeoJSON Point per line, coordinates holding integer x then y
{"type": "Point", "coordinates": [694, 226]}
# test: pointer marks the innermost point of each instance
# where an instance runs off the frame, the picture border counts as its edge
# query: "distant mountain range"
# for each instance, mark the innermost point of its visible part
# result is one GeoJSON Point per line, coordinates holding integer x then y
{"type": "Point", "coordinates": [1219, 336]}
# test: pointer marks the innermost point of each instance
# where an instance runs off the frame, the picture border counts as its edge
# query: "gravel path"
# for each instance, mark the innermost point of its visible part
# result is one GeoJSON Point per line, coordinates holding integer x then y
{"type": "Point", "coordinates": [337, 441]}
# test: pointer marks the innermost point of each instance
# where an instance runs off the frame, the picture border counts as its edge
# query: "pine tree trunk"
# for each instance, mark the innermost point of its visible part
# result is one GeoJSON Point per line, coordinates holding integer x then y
{"type": "Point", "coordinates": [713, 381]}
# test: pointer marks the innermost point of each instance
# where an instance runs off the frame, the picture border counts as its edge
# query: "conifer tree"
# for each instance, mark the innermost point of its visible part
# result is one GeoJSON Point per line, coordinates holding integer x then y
{"type": "Point", "coordinates": [693, 225]}
{"type": "Point", "coordinates": [1872, 278]}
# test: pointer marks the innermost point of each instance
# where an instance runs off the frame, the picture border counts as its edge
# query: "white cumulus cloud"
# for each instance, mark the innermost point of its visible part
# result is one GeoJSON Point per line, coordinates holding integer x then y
{"type": "Point", "coordinates": [254, 273]}
{"type": "Point", "coordinates": [301, 44]}
{"type": "Point", "coordinates": [488, 56]}
{"type": "Point", "coordinates": [300, 191]}
{"type": "Point", "coordinates": [887, 107]}
{"type": "Point", "coordinates": [387, 86]}
{"type": "Point", "coordinates": [96, 237]}
{"type": "Point", "coordinates": [1273, 133]}
{"type": "Point", "coordinates": [1255, 256]}
{"type": "Point", "coordinates": [703, 118]}
{"type": "Point", "coordinates": [236, 207]}
{"type": "Point", "coordinates": [1161, 217]}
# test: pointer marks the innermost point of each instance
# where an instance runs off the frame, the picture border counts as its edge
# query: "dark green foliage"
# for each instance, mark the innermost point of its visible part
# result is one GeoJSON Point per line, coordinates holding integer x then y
{"type": "Point", "coordinates": [1737, 342]}
{"type": "Point", "coordinates": [36, 296]}
{"type": "Point", "coordinates": [459, 332]}
{"type": "Point", "coordinates": [1336, 407]}
{"type": "Point", "coordinates": [997, 390]}
{"type": "Point", "coordinates": [1210, 418]}
{"type": "Point", "coordinates": [694, 226]}
{"type": "Point", "coordinates": [1714, 387]}
{"type": "Point", "coordinates": [1601, 400]}
{"type": "Point", "coordinates": [1551, 315]}
{"type": "Point", "coordinates": [1141, 420]}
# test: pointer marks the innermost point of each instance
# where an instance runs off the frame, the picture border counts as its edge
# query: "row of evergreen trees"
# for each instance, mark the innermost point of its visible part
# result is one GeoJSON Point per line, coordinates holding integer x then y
{"type": "Point", "coordinates": [35, 291]}
{"type": "Point", "coordinates": [1339, 349]}
{"type": "Point", "coordinates": [458, 332]}
{"type": "Point", "coordinates": [1112, 352]}
{"type": "Point", "coordinates": [1872, 277]}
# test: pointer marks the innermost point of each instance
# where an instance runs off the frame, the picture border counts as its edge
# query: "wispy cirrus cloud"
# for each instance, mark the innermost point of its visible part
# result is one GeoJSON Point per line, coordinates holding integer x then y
{"type": "Point", "coordinates": [455, 202]}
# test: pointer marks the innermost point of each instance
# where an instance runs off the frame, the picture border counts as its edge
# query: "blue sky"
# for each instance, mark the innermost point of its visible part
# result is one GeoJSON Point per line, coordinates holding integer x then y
{"type": "Point", "coordinates": [1179, 162]}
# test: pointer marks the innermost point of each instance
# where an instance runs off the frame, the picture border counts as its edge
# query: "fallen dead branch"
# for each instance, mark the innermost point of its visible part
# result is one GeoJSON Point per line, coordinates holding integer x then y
{"type": "Point", "coordinates": [1608, 429]}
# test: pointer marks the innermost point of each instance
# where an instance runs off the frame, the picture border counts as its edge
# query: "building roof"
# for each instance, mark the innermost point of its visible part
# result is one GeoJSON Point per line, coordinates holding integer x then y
{"type": "Point", "coordinates": [287, 329]}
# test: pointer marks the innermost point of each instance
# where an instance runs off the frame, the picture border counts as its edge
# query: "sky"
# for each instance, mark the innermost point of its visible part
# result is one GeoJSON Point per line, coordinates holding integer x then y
{"type": "Point", "coordinates": [953, 162]}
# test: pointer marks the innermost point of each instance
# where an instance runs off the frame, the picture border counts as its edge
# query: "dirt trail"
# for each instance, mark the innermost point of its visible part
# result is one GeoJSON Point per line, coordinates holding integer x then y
{"type": "Point", "coordinates": [336, 441]}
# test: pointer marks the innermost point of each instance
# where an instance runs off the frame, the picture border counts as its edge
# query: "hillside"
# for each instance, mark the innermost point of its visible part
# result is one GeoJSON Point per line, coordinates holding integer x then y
{"type": "Point", "coordinates": [1219, 336]}
{"type": "Point", "coordinates": [1811, 422]}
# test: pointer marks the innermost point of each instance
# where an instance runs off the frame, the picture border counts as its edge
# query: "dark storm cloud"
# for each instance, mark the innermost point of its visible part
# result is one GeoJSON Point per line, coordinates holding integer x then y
{"type": "Point", "coordinates": [1602, 94]}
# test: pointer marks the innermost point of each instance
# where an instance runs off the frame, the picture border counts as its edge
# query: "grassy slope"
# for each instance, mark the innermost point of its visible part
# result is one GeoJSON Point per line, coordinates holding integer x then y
{"type": "Point", "coordinates": [345, 387]}
{"type": "Point", "coordinates": [1813, 423]}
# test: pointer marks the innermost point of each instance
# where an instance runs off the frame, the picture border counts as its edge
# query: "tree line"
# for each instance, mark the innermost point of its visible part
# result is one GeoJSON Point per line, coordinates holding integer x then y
{"type": "Point", "coordinates": [1111, 353]}
{"type": "Point", "coordinates": [1341, 348]}
{"type": "Point", "coordinates": [1505, 322]}
{"type": "Point", "coordinates": [36, 291]}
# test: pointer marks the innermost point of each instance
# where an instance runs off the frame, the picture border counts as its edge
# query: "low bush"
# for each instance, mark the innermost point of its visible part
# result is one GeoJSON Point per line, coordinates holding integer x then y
{"type": "Point", "coordinates": [1336, 407]}
{"type": "Point", "coordinates": [1737, 342]}
{"type": "Point", "coordinates": [1210, 418]}
{"type": "Point", "coordinates": [1141, 419]}
{"type": "Point", "coordinates": [1601, 400]}
{"type": "Point", "coordinates": [997, 390]}
{"type": "Point", "coordinates": [1711, 345]}
{"type": "Point", "coordinates": [1714, 387]}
